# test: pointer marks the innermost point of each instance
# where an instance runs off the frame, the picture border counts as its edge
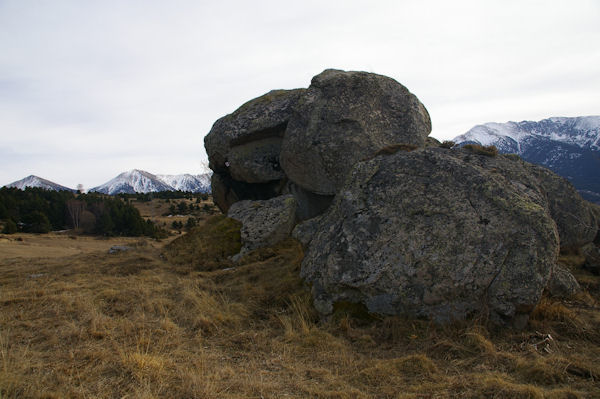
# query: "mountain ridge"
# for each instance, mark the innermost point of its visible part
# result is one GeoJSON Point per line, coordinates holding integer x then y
{"type": "Point", "coordinates": [139, 181]}
{"type": "Point", "coordinates": [34, 181]}
{"type": "Point", "coordinates": [130, 182]}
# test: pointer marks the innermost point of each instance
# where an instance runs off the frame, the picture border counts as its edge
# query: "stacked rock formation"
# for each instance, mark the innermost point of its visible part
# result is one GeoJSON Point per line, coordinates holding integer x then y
{"type": "Point", "coordinates": [388, 219]}
{"type": "Point", "coordinates": [303, 142]}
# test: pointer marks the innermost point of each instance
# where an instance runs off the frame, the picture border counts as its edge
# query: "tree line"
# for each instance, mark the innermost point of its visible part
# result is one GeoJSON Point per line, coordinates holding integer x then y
{"type": "Point", "coordinates": [166, 195]}
{"type": "Point", "coordinates": [35, 210]}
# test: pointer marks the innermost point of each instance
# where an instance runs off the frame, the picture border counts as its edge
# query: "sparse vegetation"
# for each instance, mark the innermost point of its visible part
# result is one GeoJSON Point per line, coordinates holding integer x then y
{"type": "Point", "coordinates": [490, 150]}
{"type": "Point", "coordinates": [180, 320]}
{"type": "Point", "coordinates": [447, 144]}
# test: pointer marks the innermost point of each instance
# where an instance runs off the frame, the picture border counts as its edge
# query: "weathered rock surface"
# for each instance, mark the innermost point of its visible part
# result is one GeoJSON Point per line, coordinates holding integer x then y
{"type": "Point", "coordinates": [264, 223]}
{"type": "Point", "coordinates": [562, 283]}
{"type": "Point", "coordinates": [591, 252]}
{"type": "Point", "coordinates": [227, 191]}
{"type": "Point", "coordinates": [263, 118]}
{"type": "Point", "coordinates": [575, 218]}
{"type": "Point", "coordinates": [243, 149]}
{"type": "Point", "coordinates": [344, 117]}
{"type": "Point", "coordinates": [576, 221]}
{"type": "Point", "coordinates": [426, 233]}
{"type": "Point", "coordinates": [305, 231]}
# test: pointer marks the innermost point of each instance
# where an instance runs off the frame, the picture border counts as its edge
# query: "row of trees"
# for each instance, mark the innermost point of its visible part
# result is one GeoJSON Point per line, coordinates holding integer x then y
{"type": "Point", "coordinates": [166, 195]}
{"type": "Point", "coordinates": [183, 208]}
{"type": "Point", "coordinates": [40, 211]}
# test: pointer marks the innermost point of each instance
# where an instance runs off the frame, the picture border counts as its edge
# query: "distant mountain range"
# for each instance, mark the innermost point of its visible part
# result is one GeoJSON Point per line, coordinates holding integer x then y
{"type": "Point", "coordinates": [568, 146]}
{"type": "Point", "coordinates": [139, 181]}
{"type": "Point", "coordinates": [38, 182]}
{"type": "Point", "coordinates": [131, 182]}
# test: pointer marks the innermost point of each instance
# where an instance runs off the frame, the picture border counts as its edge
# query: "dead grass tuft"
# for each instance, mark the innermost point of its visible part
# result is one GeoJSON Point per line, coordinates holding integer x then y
{"type": "Point", "coordinates": [553, 315]}
{"type": "Point", "coordinates": [490, 150]}
{"type": "Point", "coordinates": [500, 386]}
{"type": "Point", "coordinates": [448, 144]}
{"type": "Point", "coordinates": [395, 371]}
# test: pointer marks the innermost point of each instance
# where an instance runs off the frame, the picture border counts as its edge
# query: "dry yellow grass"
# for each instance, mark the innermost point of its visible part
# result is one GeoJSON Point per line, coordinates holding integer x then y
{"type": "Point", "coordinates": [55, 245]}
{"type": "Point", "coordinates": [93, 325]}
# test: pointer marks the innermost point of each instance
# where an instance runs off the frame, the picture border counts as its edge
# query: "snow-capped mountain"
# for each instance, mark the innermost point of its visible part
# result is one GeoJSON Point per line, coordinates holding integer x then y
{"type": "Point", "coordinates": [35, 181]}
{"type": "Point", "coordinates": [139, 181]}
{"type": "Point", "coordinates": [568, 146]}
{"type": "Point", "coordinates": [187, 182]}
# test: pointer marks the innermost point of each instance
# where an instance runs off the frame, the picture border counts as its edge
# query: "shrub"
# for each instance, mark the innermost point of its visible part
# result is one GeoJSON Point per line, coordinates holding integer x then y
{"type": "Point", "coordinates": [10, 227]}
{"type": "Point", "coordinates": [177, 225]}
{"type": "Point", "coordinates": [182, 208]}
{"type": "Point", "coordinates": [490, 150]}
{"type": "Point", "coordinates": [447, 144]}
{"type": "Point", "coordinates": [37, 222]}
{"type": "Point", "coordinates": [191, 223]}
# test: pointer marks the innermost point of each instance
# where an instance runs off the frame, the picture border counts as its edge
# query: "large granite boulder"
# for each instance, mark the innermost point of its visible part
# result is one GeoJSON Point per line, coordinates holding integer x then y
{"type": "Point", "coordinates": [344, 117]}
{"type": "Point", "coordinates": [429, 234]}
{"type": "Point", "coordinates": [264, 223]}
{"type": "Point", "coordinates": [395, 220]}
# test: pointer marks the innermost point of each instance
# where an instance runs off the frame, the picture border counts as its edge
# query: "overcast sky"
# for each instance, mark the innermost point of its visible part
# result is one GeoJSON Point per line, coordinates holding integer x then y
{"type": "Point", "coordinates": [89, 89]}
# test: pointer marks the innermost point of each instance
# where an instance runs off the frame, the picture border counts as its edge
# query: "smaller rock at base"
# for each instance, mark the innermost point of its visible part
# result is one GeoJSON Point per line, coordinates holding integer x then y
{"type": "Point", "coordinates": [264, 223]}
{"type": "Point", "coordinates": [562, 283]}
{"type": "Point", "coordinates": [118, 248]}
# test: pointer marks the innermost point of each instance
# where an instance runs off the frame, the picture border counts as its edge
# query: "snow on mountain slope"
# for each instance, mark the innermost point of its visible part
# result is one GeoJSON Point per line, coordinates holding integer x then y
{"type": "Point", "coordinates": [35, 181]}
{"type": "Point", "coordinates": [139, 181]}
{"type": "Point", "coordinates": [568, 146]}
{"type": "Point", "coordinates": [131, 182]}
{"type": "Point", "coordinates": [582, 131]}
{"type": "Point", "coordinates": [187, 182]}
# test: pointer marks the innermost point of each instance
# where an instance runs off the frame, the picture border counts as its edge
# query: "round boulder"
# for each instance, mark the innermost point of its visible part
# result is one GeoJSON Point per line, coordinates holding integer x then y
{"type": "Point", "coordinates": [426, 234]}
{"type": "Point", "coordinates": [344, 117]}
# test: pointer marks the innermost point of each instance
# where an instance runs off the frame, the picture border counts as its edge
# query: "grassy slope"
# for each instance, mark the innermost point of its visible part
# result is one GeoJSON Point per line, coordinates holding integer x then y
{"type": "Point", "coordinates": [150, 323]}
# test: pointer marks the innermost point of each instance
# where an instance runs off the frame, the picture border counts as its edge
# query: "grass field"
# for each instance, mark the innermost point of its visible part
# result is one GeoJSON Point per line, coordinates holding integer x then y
{"type": "Point", "coordinates": [180, 320]}
{"type": "Point", "coordinates": [157, 210]}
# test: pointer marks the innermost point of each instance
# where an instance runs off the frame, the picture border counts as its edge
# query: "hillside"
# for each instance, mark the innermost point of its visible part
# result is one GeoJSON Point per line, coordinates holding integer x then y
{"type": "Point", "coordinates": [90, 324]}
